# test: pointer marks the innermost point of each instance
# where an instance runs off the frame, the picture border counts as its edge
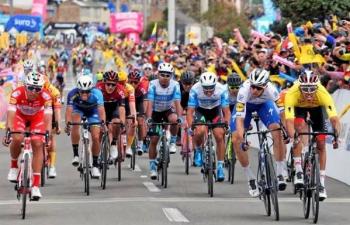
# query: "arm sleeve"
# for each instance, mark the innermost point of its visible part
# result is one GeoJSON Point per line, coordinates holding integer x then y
{"type": "Point", "coordinates": [225, 99]}
{"type": "Point", "coordinates": [192, 100]}
{"type": "Point", "coordinates": [150, 95]}
{"type": "Point", "coordinates": [99, 97]}
{"type": "Point", "coordinates": [289, 106]}
{"type": "Point", "coordinates": [177, 93]}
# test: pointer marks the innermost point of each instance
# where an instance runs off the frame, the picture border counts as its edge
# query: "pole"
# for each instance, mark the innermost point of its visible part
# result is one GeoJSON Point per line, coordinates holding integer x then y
{"type": "Point", "coordinates": [11, 7]}
{"type": "Point", "coordinates": [204, 6]}
{"type": "Point", "coordinates": [171, 20]}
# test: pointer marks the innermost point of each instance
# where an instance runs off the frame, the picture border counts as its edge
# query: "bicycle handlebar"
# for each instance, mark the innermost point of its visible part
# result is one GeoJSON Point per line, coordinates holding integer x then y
{"type": "Point", "coordinates": [262, 131]}
{"type": "Point", "coordinates": [28, 134]}
{"type": "Point", "coordinates": [210, 125]}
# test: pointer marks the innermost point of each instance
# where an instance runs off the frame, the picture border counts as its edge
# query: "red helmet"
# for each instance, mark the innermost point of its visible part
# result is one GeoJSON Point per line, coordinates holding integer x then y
{"type": "Point", "coordinates": [135, 74]}
{"type": "Point", "coordinates": [110, 76]}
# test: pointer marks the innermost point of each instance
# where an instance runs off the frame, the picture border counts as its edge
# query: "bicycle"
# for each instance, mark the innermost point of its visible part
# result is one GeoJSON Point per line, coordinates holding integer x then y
{"type": "Point", "coordinates": [209, 162]}
{"type": "Point", "coordinates": [163, 149]}
{"type": "Point", "coordinates": [24, 179]}
{"type": "Point", "coordinates": [230, 159]}
{"type": "Point", "coordinates": [266, 175]}
{"type": "Point", "coordinates": [84, 159]}
{"type": "Point", "coordinates": [104, 158]}
{"type": "Point", "coordinates": [311, 191]}
{"type": "Point", "coordinates": [186, 152]}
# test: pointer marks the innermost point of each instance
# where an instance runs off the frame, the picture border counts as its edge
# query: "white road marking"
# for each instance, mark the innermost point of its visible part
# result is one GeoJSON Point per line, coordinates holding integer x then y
{"type": "Point", "coordinates": [153, 199]}
{"type": "Point", "coordinates": [151, 187]}
{"type": "Point", "coordinates": [137, 168]}
{"type": "Point", "coordinates": [143, 176]}
{"type": "Point", "coordinates": [174, 215]}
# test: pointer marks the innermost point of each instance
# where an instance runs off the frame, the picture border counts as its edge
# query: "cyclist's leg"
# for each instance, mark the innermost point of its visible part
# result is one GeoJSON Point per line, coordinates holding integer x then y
{"type": "Point", "coordinates": [198, 138]}
{"type": "Point", "coordinates": [172, 118]}
{"type": "Point", "coordinates": [156, 117]}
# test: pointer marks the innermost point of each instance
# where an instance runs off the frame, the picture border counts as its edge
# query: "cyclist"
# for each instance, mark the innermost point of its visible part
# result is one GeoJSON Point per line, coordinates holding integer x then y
{"type": "Point", "coordinates": [163, 95]}
{"type": "Point", "coordinates": [85, 100]}
{"type": "Point", "coordinates": [114, 103]}
{"type": "Point", "coordinates": [234, 81]}
{"type": "Point", "coordinates": [130, 110]}
{"type": "Point", "coordinates": [29, 106]}
{"type": "Point", "coordinates": [258, 94]}
{"type": "Point", "coordinates": [140, 84]}
{"type": "Point", "coordinates": [308, 96]}
{"type": "Point", "coordinates": [147, 70]}
{"type": "Point", "coordinates": [207, 102]}
{"type": "Point", "coordinates": [28, 66]}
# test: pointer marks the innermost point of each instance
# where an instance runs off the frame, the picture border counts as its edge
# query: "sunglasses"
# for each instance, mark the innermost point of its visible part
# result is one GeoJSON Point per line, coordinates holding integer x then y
{"type": "Point", "coordinates": [257, 87]}
{"type": "Point", "coordinates": [84, 91]}
{"type": "Point", "coordinates": [34, 88]}
{"type": "Point", "coordinates": [165, 75]}
{"type": "Point", "coordinates": [110, 84]}
{"type": "Point", "coordinates": [308, 89]}
{"type": "Point", "coordinates": [233, 87]}
{"type": "Point", "coordinates": [186, 83]}
{"type": "Point", "coordinates": [148, 69]}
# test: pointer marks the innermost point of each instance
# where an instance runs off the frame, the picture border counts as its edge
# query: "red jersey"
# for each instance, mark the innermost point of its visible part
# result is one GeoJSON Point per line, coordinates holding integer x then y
{"type": "Point", "coordinates": [142, 87]}
{"type": "Point", "coordinates": [19, 102]}
{"type": "Point", "coordinates": [116, 96]}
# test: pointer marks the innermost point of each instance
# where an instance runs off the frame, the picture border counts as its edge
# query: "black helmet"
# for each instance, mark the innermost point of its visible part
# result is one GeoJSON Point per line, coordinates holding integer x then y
{"type": "Point", "coordinates": [234, 80]}
{"type": "Point", "coordinates": [187, 77]}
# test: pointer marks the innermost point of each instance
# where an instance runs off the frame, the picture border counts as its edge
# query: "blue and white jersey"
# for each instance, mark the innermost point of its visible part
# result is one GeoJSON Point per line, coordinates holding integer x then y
{"type": "Point", "coordinates": [95, 99]}
{"type": "Point", "coordinates": [244, 96]}
{"type": "Point", "coordinates": [232, 99]}
{"type": "Point", "coordinates": [163, 98]}
{"type": "Point", "coordinates": [199, 99]}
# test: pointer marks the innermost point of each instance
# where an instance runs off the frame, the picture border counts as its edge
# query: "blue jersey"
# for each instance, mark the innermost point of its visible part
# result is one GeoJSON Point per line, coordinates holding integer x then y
{"type": "Point", "coordinates": [95, 99]}
{"type": "Point", "coordinates": [199, 99]}
{"type": "Point", "coordinates": [163, 98]}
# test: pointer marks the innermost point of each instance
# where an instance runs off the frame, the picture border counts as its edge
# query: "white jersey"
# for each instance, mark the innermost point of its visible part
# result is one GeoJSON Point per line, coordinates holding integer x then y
{"type": "Point", "coordinates": [244, 94]}
{"type": "Point", "coordinates": [197, 97]}
{"type": "Point", "coordinates": [163, 98]}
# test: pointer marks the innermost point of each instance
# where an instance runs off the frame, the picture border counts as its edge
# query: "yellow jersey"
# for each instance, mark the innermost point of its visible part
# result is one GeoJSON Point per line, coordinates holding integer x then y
{"type": "Point", "coordinates": [129, 92]}
{"type": "Point", "coordinates": [294, 98]}
{"type": "Point", "coordinates": [54, 93]}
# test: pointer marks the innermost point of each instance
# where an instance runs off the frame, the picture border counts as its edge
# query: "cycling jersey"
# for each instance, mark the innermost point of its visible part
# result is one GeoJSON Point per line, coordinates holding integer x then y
{"type": "Point", "coordinates": [54, 93]}
{"type": "Point", "coordinates": [184, 97]}
{"type": "Point", "coordinates": [244, 96]}
{"type": "Point", "coordinates": [294, 98]}
{"type": "Point", "coordinates": [163, 98]}
{"type": "Point", "coordinates": [142, 87]}
{"type": "Point", "coordinates": [199, 99]}
{"type": "Point", "coordinates": [19, 102]}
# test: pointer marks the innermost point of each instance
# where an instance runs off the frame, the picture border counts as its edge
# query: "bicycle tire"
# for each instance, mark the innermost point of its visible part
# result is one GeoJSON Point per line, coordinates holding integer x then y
{"type": "Point", "coordinates": [43, 168]}
{"type": "Point", "coordinates": [187, 162]}
{"type": "Point", "coordinates": [210, 170]}
{"type": "Point", "coordinates": [315, 182]}
{"type": "Point", "coordinates": [133, 158]}
{"type": "Point", "coordinates": [306, 189]}
{"type": "Point", "coordinates": [232, 165]}
{"type": "Point", "coordinates": [121, 151]}
{"type": "Point", "coordinates": [165, 162]}
{"type": "Point", "coordinates": [272, 184]}
{"type": "Point", "coordinates": [104, 160]}
{"type": "Point", "coordinates": [25, 186]}
{"type": "Point", "coordinates": [264, 192]}
{"type": "Point", "coordinates": [87, 170]}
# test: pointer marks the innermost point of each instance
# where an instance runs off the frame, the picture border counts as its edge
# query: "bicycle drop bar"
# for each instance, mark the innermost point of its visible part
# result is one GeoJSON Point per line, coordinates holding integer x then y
{"type": "Point", "coordinates": [163, 124]}
{"type": "Point", "coordinates": [262, 131]}
{"type": "Point", "coordinates": [314, 134]}
{"type": "Point", "coordinates": [210, 125]}
{"type": "Point", "coordinates": [28, 134]}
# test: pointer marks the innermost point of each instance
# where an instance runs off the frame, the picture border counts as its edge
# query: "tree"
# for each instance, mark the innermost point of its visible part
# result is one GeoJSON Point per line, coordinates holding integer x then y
{"type": "Point", "coordinates": [224, 18]}
{"type": "Point", "coordinates": [299, 11]}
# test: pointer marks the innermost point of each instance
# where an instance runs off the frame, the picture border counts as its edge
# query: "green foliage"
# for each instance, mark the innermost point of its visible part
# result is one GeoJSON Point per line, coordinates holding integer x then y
{"type": "Point", "coordinates": [280, 27]}
{"type": "Point", "coordinates": [299, 11]}
{"type": "Point", "coordinates": [223, 18]}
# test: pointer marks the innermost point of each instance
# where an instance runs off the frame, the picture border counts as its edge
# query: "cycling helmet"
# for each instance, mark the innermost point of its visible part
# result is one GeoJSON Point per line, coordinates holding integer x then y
{"type": "Point", "coordinates": [42, 63]}
{"type": "Point", "coordinates": [28, 65]}
{"type": "Point", "coordinates": [147, 66]}
{"type": "Point", "coordinates": [165, 68]}
{"type": "Point", "coordinates": [110, 76]}
{"type": "Point", "coordinates": [308, 78]}
{"type": "Point", "coordinates": [259, 77]}
{"type": "Point", "coordinates": [34, 78]}
{"type": "Point", "coordinates": [135, 74]}
{"type": "Point", "coordinates": [85, 83]}
{"type": "Point", "coordinates": [208, 80]}
{"type": "Point", "coordinates": [234, 80]}
{"type": "Point", "coordinates": [122, 76]}
{"type": "Point", "coordinates": [187, 77]}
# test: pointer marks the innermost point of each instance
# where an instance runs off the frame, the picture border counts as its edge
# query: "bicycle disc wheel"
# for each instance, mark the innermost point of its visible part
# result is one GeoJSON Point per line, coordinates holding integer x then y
{"type": "Point", "coordinates": [210, 173]}
{"type": "Point", "coordinates": [315, 183]}
{"type": "Point", "coordinates": [165, 163]}
{"type": "Point", "coordinates": [272, 184]}
{"type": "Point", "coordinates": [87, 170]}
{"type": "Point", "coordinates": [25, 186]}
{"type": "Point", "coordinates": [306, 190]}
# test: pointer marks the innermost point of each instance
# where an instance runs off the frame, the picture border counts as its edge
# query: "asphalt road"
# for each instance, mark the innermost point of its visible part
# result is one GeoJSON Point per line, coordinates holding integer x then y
{"type": "Point", "coordinates": [138, 200]}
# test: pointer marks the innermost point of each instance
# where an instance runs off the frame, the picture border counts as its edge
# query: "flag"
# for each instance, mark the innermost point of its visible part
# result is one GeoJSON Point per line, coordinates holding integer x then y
{"type": "Point", "coordinates": [307, 55]}
{"type": "Point", "coordinates": [153, 36]}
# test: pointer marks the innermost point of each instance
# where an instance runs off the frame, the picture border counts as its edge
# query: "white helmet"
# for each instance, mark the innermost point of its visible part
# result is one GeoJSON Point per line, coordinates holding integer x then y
{"type": "Point", "coordinates": [28, 65]}
{"type": "Point", "coordinates": [34, 78]}
{"type": "Point", "coordinates": [165, 68]}
{"type": "Point", "coordinates": [147, 66]}
{"type": "Point", "coordinates": [259, 77]}
{"type": "Point", "coordinates": [308, 78]}
{"type": "Point", "coordinates": [85, 83]}
{"type": "Point", "coordinates": [208, 80]}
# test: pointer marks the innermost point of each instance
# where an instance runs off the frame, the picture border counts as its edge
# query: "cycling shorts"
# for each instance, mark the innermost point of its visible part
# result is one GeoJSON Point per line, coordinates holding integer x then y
{"type": "Point", "coordinates": [91, 115]}
{"type": "Point", "coordinates": [213, 115]}
{"type": "Point", "coordinates": [159, 117]}
{"type": "Point", "coordinates": [36, 124]}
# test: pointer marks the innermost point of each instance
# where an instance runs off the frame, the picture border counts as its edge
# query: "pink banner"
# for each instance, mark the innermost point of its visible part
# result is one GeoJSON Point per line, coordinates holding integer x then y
{"type": "Point", "coordinates": [40, 8]}
{"type": "Point", "coordinates": [257, 34]}
{"type": "Point", "coordinates": [239, 38]}
{"type": "Point", "coordinates": [130, 22]}
{"type": "Point", "coordinates": [283, 61]}
{"type": "Point", "coordinates": [335, 74]}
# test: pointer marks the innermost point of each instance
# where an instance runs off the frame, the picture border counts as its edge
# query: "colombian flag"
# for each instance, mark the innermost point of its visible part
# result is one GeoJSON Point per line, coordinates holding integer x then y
{"type": "Point", "coordinates": [153, 36]}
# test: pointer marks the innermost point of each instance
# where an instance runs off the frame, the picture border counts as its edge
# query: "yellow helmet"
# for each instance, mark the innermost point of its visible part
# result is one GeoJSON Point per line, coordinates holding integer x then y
{"type": "Point", "coordinates": [122, 76]}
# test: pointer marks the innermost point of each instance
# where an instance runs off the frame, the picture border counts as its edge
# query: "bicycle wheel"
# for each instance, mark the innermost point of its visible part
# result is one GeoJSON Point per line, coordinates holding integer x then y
{"type": "Point", "coordinates": [133, 156]}
{"type": "Point", "coordinates": [232, 164]}
{"type": "Point", "coordinates": [43, 168]}
{"type": "Point", "coordinates": [121, 151]}
{"type": "Point", "coordinates": [272, 184]}
{"type": "Point", "coordinates": [165, 162]}
{"type": "Point", "coordinates": [210, 170]}
{"type": "Point", "coordinates": [306, 192]}
{"type": "Point", "coordinates": [264, 191]}
{"type": "Point", "coordinates": [315, 184]}
{"type": "Point", "coordinates": [104, 159]}
{"type": "Point", "coordinates": [87, 169]}
{"type": "Point", "coordinates": [25, 186]}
